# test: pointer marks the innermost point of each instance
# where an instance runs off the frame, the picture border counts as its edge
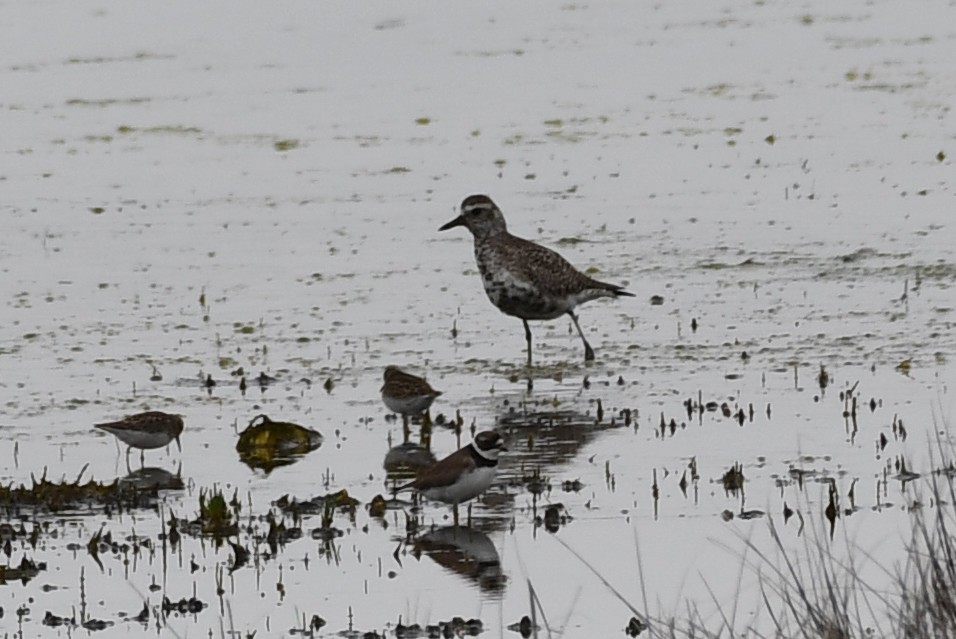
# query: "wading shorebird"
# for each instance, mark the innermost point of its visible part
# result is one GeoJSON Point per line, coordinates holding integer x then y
{"type": "Point", "coordinates": [145, 431]}
{"type": "Point", "coordinates": [524, 279]}
{"type": "Point", "coordinates": [406, 394]}
{"type": "Point", "coordinates": [464, 474]}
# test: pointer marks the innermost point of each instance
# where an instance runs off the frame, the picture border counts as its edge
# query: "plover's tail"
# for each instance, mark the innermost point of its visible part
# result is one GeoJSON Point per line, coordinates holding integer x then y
{"type": "Point", "coordinates": [616, 290]}
{"type": "Point", "coordinates": [595, 289]}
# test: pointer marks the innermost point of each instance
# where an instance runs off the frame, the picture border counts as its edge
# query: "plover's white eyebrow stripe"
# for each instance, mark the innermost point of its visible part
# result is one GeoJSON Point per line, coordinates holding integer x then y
{"type": "Point", "coordinates": [490, 455]}
{"type": "Point", "coordinates": [468, 208]}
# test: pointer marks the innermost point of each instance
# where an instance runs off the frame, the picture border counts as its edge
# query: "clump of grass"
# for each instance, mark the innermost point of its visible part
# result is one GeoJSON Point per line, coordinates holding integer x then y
{"type": "Point", "coordinates": [812, 592]}
{"type": "Point", "coordinates": [819, 590]}
{"type": "Point", "coordinates": [926, 601]}
{"type": "Point", "coordinates": [816, 594]}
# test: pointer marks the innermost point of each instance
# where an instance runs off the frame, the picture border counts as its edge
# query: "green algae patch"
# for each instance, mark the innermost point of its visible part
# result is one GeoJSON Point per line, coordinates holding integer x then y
{"type": "Point", "coordinates": [174, 129]}
{"type": "Point", "coordinates": [266, 444]}
{"type": "Point", "coordinates": [285, 145]}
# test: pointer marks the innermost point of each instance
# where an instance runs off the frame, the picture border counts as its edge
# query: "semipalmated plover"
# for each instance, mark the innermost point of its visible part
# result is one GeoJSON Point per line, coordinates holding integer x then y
{"type": "Point", "coordinates": [464, 474]}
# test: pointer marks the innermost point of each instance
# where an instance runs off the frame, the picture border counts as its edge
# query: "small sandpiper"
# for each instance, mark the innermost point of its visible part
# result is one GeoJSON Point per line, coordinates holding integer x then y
{"type": "Point", "coordinates": [406, 394]}
{"type": "Point", "coordinates": [152, 429]}
{"type": "Point", "coordinates": [524, 279]}
{"type": "Point", "coordinates": [464, 474]}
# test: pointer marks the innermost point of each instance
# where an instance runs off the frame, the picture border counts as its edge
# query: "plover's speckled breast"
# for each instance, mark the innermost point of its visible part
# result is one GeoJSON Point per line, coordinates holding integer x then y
{"type": "Point", "coordinates": [527, 280]}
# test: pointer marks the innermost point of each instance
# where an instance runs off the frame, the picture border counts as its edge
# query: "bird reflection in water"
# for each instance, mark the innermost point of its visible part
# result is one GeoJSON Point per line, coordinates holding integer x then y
{"type": "Point", "coordinates": [467, 552]}
{"type": "Point", "coordinates": [151, 478]}
{"type": "Point", "coordinates": [406, 460]}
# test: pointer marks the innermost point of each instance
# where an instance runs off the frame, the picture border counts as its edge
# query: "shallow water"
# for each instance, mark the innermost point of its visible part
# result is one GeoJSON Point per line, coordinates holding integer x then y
{"type": "Point", "coordinates": [191, 190]}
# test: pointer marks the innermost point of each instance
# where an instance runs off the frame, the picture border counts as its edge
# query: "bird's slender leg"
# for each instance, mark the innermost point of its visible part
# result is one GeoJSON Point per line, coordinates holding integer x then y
{"type": "Point", "coordinates": [406, 431]}
{"type": "Point", "coordinates": [527, 337]}
{"type": "Point", "coordinates": [425, 434]}
{"type": "Point", "coordinates": [454, 512]}
{"type": "Point", "coordinates": [588, 351]}
{"type": "Point", "coordinates": [128, 469]}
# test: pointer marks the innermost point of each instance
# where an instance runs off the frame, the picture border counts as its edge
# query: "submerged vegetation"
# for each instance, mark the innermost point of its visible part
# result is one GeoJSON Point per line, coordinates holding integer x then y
{"type": "Point", "coordinates": [48, 496]}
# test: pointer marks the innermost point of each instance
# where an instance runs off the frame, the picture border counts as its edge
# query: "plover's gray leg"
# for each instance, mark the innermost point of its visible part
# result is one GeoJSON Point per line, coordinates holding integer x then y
{"type": "Point", "coordinates": [527, 337]}
{"type": "Point", "coordinates": [588, 351]}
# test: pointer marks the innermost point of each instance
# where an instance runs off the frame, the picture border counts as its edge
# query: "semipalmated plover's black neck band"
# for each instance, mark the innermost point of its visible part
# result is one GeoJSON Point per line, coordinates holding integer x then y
{"type": "Point", "coordinates": [480, 460]}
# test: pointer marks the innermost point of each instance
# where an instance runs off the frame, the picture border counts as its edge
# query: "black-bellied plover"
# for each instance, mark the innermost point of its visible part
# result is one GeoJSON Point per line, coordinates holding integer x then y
{"type": "Point", "coordinates": [524, 279]}
{"type": "Point", "coordinates": [145, 431]}
{"type": "Point", "coordinates": [464, 474]}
